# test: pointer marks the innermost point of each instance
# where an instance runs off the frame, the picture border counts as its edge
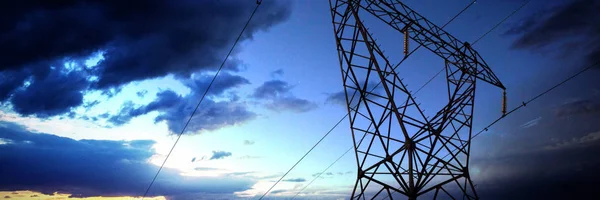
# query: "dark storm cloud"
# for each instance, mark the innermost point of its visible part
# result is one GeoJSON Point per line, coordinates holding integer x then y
{"type": "Point", "coordinates": [552, 160]}
{"type": "Point", "coordinates": [141, 39]}
{"type": "Point", "coordinates": [578, 107]}
{"type": "Point", "coordinates": [56, 93]}
{"type": "Point", "coordinates": [138, 40]}
{"type": "Point", "coordinates": [175, 109]}
{"type": "Point", "coordinates": [48, 163]}
{"type": "Point", "coordinates": [573, 27]}
{"type": "Point", "coordinates": [278, 97]}
{"type": "Point", "coordinates": [561, 173]}
{"type": "Point", "coordinates": [9, 82]}
{"type": "Point", "coordinates": [216, 155]}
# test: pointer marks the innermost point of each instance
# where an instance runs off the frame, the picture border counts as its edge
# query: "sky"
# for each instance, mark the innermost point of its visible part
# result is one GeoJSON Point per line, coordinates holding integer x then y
{"type": "Point", "coordinates": [93, 95]}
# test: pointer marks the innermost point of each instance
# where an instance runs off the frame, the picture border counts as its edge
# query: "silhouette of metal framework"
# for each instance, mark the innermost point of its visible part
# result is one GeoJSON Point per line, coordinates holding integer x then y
{"type": "Point", "coordinates": [406, 154]}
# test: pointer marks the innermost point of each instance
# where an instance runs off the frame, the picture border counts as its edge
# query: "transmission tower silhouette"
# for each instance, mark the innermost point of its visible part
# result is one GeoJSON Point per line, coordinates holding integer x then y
{"type": "Point", "coordinates": [398, 149]}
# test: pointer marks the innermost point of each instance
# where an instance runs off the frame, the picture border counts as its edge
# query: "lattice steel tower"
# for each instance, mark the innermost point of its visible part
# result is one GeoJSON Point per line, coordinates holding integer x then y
{"type": "Point", "coordinates": [405, 153]}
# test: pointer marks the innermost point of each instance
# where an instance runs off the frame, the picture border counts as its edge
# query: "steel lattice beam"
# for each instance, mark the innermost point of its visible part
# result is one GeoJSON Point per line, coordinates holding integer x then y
{"type": "Point", "coordinates": [404, 153]}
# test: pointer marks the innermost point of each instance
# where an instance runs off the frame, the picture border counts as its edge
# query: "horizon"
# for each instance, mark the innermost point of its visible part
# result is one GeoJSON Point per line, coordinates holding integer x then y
{"type": "Point", "coordinates": [94, 95]}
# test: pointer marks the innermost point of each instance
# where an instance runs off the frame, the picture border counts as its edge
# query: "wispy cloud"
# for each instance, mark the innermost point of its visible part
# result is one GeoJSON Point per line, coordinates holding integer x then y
{"type": "Point", "coordinates": [219, 155]}
{"type": "Point", "coordinates": [248, 142]}
{"type": "Point", "coordinates": [277, 73]}
{"type": "Point", "coordinates": [531, 123]}
{"type": "Point", "coordinates": [294, 180]}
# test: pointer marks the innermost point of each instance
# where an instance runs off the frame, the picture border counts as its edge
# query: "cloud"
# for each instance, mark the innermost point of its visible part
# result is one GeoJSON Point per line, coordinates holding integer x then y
{"type": "Point", "coordinates": [293, 104]}
{"type": "Point", "coordinates": [48, 163]}
{"type": "Point", "coordinates": [561, 173]}
{"type": "Point", "coordinates": [154, 40]}
{"type": "Point", "coordinates": [553, 156]}
{"type": "Point", "coordinates": [330, 174]}
{"type": "Point", "coordinates": [277, 73]}
{"type": "Point", "coordinates": [580, 142]}
{"type": "Point", "coordinates": [47, 93]}
{"type": "Point", "coordinates": [224, 82]}
{"type": "Point", "coordinates": [578, 107]}
{"type": "Point", "coordinates": [175, 110]}
{"type": "Point", "coordinates": [248, 142]}
{"type": "Point", "coordinates": [206, 169]}
{"type": "Point", "coordinates": [531, 123]}
{"type": "Point", "coordinates": [572, 28]}
{"type": "Point", "coordinates": [272, 89]}
{"type": "Point", "coordinates": [278, 191]}
{"type": "Point", "coordinates": [142, 93]}
{"type": "Point", "coordinates": [338, 98]}
{"type": "Point", "coordinates": [298, 180]}
{"type": "Point", "coordinates": [216, 155]}
{"type": "Point", "coordinates": [278, 97]}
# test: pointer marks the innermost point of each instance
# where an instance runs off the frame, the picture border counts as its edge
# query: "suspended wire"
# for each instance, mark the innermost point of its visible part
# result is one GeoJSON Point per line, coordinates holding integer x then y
{"type": "Point", "coordinates": [478, 39]}
{"type": "Point", "coordinates": [313, 147]}
{"type": "Point", "coordinates": [455, 16]}
{"type": "Point", "coordinates": [201, 99]}
{"type": "Point", "coordinates": [438, 73]}
{"type": "Point", "coordinates": [420, 45]}
{"type": "Point", "coordinates": [322, 172]}
{"type": "Point", "coordinates": [475, 42]}
{"type": "Point", "coordinates": [499, 23]}
{"type": "Point", "coordinates": [523, 104]}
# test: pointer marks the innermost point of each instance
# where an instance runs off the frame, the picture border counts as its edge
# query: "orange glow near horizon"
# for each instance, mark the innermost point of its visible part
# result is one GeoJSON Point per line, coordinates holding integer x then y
{"type": "Point", "coordinates": [39, 196]}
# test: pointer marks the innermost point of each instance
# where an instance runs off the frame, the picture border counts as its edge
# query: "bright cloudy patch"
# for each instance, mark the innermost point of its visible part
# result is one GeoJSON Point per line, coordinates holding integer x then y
{"type": "Point", "coordinates": [52, 196]}
{"type": "Point", "coordinates": [111, 167]}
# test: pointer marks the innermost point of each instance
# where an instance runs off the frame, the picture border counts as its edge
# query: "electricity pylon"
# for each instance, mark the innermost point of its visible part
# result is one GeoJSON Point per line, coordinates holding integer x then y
{"type": "Point", "coordinates": [406, 154]}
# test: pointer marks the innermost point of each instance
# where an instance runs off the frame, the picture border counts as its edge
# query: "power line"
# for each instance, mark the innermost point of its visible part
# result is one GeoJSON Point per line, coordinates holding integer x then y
{"type": "Point", "coordinates": [478, 39]}
{"type": "Point", "coordinates": [523, 104]}
{"type": "Point", "coordinates": [429, 81]}
{"type": "Point", "coordinates": [322, 172]}
{"type": "Point", "coordinates": [453, 18]}
{"type": "Point", "coordinates": [313, 147]}
{"type": "Point", "coordinates": [201, 99]}
{"type": "Point", "coordinates": [503, 20]}
{"type": "Point", "coordinates": [420, 45]}
{"type": "Point", "coordinates": [475, 42]}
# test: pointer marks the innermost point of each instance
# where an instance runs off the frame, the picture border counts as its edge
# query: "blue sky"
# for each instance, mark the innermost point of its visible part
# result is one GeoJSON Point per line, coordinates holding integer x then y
{"type": "Point", "coordinates": [99, 97]}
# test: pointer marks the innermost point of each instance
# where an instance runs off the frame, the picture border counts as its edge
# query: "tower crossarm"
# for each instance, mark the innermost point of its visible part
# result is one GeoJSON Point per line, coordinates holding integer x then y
{"type": "Point", "coordinates": [424, 32]}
